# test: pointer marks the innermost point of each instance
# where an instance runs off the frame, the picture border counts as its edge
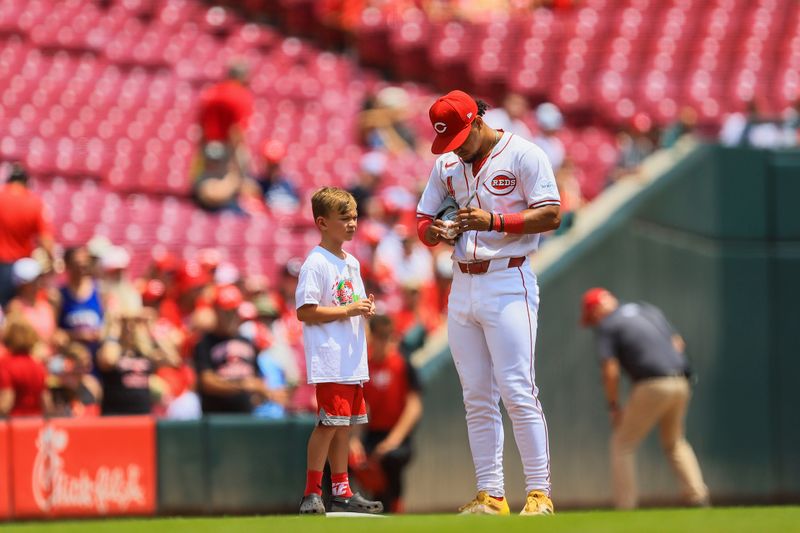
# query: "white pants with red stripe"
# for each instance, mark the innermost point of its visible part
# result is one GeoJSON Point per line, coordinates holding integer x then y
{"type": "Point", "coordinates": [492, 333]}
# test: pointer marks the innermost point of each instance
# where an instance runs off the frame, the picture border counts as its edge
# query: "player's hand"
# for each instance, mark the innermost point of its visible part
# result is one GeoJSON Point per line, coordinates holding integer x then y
{"type": "Point", "coordinates": [360, 308]}
{"type": "Point", "coordinates": [472, 218]}
{"type": "Point", "coordinates": [437, 232]}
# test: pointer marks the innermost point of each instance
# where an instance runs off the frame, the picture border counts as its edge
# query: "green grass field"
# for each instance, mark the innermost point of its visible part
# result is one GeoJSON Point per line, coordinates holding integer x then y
{"type": "Point", "coordinates": [727, 520]}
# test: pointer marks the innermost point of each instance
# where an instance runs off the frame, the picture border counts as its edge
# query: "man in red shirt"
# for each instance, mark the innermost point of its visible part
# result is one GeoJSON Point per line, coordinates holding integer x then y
{"type": "Point", "coordinates": [224, 111]}
{"type": "Point", "coordinates": [395, 406]}
{"type": "Point", "coordinates": [23, 222]}
{"type": "Point", "coordinates": [226, 107]}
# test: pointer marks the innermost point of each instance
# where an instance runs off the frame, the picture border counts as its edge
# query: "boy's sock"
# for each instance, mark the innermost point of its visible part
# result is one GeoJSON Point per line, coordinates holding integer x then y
{"type": "Point", "coordinates": [340, 485]}
{"type": "Point", "coordinates": [313, 482]}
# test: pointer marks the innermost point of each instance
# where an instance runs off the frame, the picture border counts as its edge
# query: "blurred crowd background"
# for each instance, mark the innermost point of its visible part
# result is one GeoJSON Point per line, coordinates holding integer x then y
{"type": "Point", "coordinates": [159, 156]}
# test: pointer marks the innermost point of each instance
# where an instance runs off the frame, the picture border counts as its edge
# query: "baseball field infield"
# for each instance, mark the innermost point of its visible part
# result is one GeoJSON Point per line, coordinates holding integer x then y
{"type": "Point", "coordinates": [727, 520]}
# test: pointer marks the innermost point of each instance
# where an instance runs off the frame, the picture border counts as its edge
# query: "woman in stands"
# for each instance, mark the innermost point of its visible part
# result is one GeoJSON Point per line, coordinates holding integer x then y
{"type": "Point", "coordinates": [22, 378]}
{"type": "Point", "coordinates": [31, 302]}
{"type": "Point", "coordinates": [81, 313]}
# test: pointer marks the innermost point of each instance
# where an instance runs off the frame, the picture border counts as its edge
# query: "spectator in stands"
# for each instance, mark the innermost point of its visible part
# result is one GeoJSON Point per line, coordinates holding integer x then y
{"type": "Point", "coordinates": [511, 116]}
{"type": "Point", "coordinates": [127, 361]}
{"type": "Point", "coordinates": [569, 189]}
{"type": "Point", "coordinates": [288, 331]}
{"type": "Point", "coordinates": [635, 145]}
{"type": "Point", "coordinates": [371, 169]}
{"type": "Point", "coordinates": [410, 262]}
{"type": "Point", "coordinates": [791, 125]}
{"type": "Point", "coordinates": [180, 379]}
{"type": "Point", "coordinates": [416, 317]}
{"type": "Point", "coordinates": [225, 110]}
{"type": "Point", "coordinates": [117, 289]}
{"type": "Point", "coordinates": [22, 377]}
{"type": "Point", "coordinates": [97, 248]}
{"type": "Point", "coordinates": [550, 122]}
{"type": "Point", "coordinates": [75, 391]}
{"type": "Point", "coordinates": [229, 378]}
{"type": "Point", "coordinates": [23, 224]}
{"type": "Point", "coordinates": [685, 125]}
{"type": "Point", "coordinates": [275, 186]}
{"type": "Point", "coordinates": [220, 182]}
{"type": "Point", "coordinates": [752, 129]}
{"type": "Point", "coordinates": [31, 303]}
{"type": "Point", "coordinates": [383, 122]}
{"type": "Point", "coordinates": [395, 406]}
{"type": "Point", "coordinates": [81, 313]}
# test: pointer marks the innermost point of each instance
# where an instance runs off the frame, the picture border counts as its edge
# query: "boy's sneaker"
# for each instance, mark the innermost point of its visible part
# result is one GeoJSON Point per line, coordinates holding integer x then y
{"type": "Point", "coordinates": [485, 504]}
{"type": "Point", "coordinates": [312, 504]}
{"type": "Point", "coordinates": [537, 503]}
{"type": "Point", "coordinates": [355, 504]}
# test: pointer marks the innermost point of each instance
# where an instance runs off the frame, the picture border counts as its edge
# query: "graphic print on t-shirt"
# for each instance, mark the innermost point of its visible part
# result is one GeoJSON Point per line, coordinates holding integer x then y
{"type": "Point", "coordinates": [344, 293]}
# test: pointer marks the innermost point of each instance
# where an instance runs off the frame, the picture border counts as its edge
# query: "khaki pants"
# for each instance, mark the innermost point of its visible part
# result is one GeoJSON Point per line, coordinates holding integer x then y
{"type": "Point", "coordinates": [663, 401]}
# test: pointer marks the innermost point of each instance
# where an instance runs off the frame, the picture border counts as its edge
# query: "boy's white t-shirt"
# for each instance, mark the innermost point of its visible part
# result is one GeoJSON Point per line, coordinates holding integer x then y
{"type": "Point", "coordinates": [335, 351]}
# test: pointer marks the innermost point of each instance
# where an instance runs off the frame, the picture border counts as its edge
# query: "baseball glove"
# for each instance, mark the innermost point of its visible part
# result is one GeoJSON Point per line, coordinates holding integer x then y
{"type": "Point", "coordinates": [447, 209]}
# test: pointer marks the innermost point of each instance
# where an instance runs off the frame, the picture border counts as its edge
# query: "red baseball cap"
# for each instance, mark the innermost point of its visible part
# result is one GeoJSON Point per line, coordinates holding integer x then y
{"type": "Point", "coordinates": [591, 299]}
{"type": "Point", "coordinates": [228, 298]}
{"type": "Point", "coordinates": [451, 117]}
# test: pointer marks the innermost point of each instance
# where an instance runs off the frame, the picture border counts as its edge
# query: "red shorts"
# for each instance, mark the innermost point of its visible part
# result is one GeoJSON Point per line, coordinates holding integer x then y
{"type": "Point", "coordinates": [341, 404]}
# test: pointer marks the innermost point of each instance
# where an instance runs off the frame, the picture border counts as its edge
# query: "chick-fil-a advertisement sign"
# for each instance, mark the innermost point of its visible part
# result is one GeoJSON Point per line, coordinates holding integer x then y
{"type": "Point", "coordinates": [83, 467]}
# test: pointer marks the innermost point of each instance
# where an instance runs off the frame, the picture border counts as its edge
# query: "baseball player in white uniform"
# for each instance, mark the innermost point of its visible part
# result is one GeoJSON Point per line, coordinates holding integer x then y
{"type": "Point", "coordinates": [507, 195]}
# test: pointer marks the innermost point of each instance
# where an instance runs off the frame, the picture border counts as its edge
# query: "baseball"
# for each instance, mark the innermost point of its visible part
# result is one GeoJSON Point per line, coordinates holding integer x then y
{"type": "Point", "coordinates": [451, 232]}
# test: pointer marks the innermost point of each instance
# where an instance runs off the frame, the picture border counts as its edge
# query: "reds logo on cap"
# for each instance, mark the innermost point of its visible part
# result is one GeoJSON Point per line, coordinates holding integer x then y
{"type": "Point", "coordinates": [440, 127]}
{"type": "Point", "coordinates": [501, 184]}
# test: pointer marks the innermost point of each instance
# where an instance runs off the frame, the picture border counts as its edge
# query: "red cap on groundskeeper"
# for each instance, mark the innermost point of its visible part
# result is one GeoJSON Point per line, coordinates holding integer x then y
{"type": "Point", "coordinates": [590, 300]}
{"type": "Point", "coordinates": [451, 116]}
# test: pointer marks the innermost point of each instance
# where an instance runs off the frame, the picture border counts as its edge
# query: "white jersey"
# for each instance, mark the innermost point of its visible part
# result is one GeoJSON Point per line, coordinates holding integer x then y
{"type": "Point", "coordinates": [336, 352]}
{"type": "Point", "coordinates": [516, 176]}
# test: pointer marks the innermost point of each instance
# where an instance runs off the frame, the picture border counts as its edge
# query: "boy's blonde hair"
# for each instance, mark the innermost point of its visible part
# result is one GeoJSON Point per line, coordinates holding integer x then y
{"type": "Point", "coordinates": [19, 336]}
{"type": "Point", "coordinates": [330, 200]}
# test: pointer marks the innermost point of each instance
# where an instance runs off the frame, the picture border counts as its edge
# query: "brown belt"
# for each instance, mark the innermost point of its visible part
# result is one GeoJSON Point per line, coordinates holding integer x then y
{"type": "Point", "coordinates": [481, 267]}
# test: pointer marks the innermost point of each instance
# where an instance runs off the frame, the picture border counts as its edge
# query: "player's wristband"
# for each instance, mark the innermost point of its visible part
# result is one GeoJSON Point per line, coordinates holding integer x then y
{"type": "Point", "coordinates": [423, 223]}
{"type": "Point", "coordinates": [491, 222]}
{"type": "Point", "coordinates": [513, 223]}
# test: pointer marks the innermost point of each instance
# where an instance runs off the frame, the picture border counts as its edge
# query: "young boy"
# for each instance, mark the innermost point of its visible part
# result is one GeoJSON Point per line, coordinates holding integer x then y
{"type": "Point", "coordinates": [332, 305]}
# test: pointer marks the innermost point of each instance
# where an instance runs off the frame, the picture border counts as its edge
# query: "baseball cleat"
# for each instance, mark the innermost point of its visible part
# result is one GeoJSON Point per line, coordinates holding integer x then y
{"type": "Point", "coordinates": [312, 504]}
{"type": "Point", "coordinates": [537, 503]}
{"type": "Point", "coordinates": [485, 504]}
{"type": "Point", "coordinates": [355, 504]}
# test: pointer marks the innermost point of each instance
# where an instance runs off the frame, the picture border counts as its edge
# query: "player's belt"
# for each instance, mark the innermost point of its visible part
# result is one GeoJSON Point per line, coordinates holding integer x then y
{"type": "Point", "coordinates": [482, 267]}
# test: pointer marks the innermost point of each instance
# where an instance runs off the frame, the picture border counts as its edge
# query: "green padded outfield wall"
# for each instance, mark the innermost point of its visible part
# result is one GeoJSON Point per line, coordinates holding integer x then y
{"type": "Point", "coordinates": [231, 464]}
{"type": "Point", "coordinates": [716, 244]}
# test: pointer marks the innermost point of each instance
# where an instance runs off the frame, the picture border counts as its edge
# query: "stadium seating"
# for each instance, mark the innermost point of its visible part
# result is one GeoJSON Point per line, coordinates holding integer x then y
{"type": "Point", "coordinates": [105, 93]}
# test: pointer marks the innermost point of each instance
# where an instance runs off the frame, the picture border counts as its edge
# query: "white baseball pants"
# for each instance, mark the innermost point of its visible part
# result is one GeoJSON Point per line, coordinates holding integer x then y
{"type": "Point", "coordinates": [492, 333]}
